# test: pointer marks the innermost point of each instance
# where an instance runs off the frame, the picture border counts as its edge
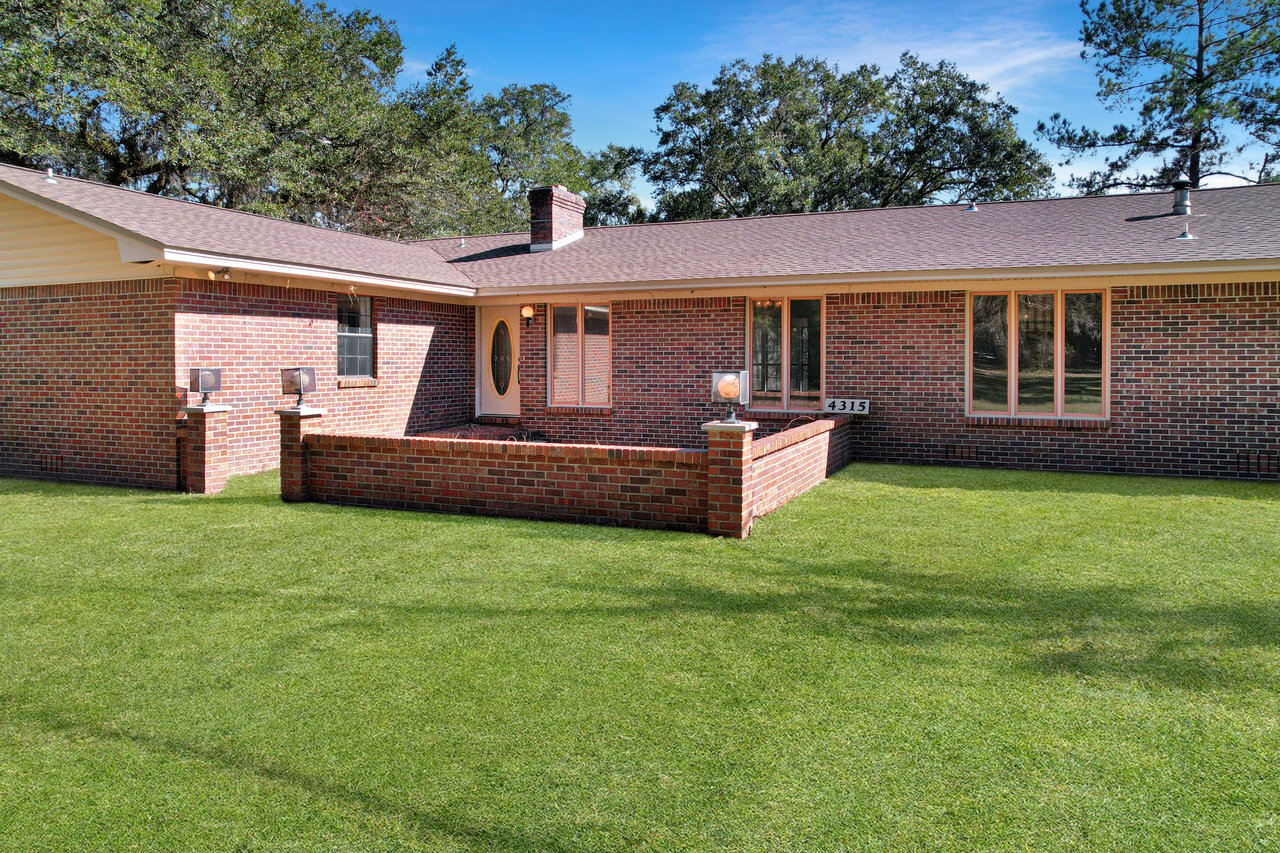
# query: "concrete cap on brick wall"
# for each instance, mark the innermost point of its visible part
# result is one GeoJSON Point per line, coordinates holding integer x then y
{"type": "Point", "coordinates": [730, 426]}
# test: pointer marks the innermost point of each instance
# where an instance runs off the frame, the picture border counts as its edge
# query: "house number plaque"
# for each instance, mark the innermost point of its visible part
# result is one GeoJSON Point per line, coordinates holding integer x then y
{"type": "Point", "coordinates": [847, 407]}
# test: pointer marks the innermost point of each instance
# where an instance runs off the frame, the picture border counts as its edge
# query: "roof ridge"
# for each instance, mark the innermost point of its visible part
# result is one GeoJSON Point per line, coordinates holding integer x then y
{"type": "Point", "coordinates": [856, 210]}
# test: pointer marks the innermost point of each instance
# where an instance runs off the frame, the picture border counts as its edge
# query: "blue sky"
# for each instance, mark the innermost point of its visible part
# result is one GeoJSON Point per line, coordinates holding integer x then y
{"type": "Point", "coordinates": [619, 61]}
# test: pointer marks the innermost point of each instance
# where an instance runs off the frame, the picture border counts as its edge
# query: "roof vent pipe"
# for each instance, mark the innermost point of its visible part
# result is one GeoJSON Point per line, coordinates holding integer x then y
{"type": "Point", "coordinates": [1181, 198]}
{"type": "Point", "coordinates": [48, 177]}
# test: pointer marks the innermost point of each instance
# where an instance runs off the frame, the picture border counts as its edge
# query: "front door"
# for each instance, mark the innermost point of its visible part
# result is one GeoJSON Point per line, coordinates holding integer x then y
{"type": "Point", "coordinates": [499, 350]}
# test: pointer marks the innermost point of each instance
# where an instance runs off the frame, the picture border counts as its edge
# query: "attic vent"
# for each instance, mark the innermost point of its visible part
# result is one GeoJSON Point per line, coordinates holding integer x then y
{"type": "Point", "coordinates": [52, 463]}
{"type": "Point", "coordinates": [1258, 464]}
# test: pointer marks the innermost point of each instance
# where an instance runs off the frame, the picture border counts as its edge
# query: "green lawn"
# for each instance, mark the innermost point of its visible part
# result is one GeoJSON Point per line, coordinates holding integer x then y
{"type": "Point", "coordinates": [902, 659]}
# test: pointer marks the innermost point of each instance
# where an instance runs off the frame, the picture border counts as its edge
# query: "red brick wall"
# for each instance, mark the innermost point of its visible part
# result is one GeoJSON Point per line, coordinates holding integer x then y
{"type": "Point", "coordinates": [793, 461]}
{"type": "Point", "coordinates": [721, 489]}
{"type": "Point", "coordinates": [554, 213]}
{"type": "Point", "coordinates": [86, 383]}
{"type": "Point", "coordinates": [1195, 373]}
{"type": "Point", "coordinates": [636, 487]}
{"type": "Point", "coordinates": [424, 354]}
{"type": "Point", "coordinates": [664, 352]}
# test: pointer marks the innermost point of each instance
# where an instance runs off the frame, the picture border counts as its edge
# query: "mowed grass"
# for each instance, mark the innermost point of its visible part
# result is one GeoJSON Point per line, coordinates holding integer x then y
{"type": "Point", "coordinates": [902, 659]}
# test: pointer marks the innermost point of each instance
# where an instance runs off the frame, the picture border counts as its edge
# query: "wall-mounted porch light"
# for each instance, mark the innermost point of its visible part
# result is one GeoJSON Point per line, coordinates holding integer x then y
{"type": "Point", "coordinates": [297, 380]}
{"type": "Point", "coordinates": [730, 387]}
{"type": "Point", "coordinates": [526, 311]}
{"type": "Point", "coordinates": [204, 381]}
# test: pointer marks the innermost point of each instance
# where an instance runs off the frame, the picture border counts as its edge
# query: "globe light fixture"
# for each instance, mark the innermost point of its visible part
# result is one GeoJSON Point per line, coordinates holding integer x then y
{"type": "Point", "coordinates": [204, 381]}
{"type": "Point", "coordinates": [729, 387]}
{"type": "Point", "coordinates": [526, 311]}
{"type": "Point", "coordinates": [297, 380]}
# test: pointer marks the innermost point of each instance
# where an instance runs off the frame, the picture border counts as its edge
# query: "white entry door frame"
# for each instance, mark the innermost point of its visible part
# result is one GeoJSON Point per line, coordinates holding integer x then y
{"type": "Point", "coordinates": [497, 357]}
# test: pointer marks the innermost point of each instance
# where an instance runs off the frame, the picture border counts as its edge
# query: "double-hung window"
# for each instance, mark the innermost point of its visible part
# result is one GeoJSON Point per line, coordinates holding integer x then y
{"type": "Point", "coordinates": [581, 357]}
{"type": "Point", "coordinates": [355, 336]}
{"type": "Point", "coordinates": [1038, 353]}
{"type": "Point", "coordinates": [786, 353]}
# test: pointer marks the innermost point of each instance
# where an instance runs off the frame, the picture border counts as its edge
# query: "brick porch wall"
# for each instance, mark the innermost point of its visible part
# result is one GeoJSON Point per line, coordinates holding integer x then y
{"type": "Point", "coordinates": [87, 391]}
{"type": "Point", "coordinates": [720, 490]}
{"type": "Point", "coordinates": [631, 486]}
{"type": "Point", "coordinates": [424, 354]}
{"type": "Point", "coordinates": [1195, 384]}
{"type": "Point", "coordinates": [791, 462]}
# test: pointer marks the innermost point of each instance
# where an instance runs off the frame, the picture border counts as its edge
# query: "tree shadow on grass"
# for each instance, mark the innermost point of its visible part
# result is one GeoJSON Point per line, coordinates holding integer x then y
{"type": "Point", "coordinates": [1122, 632]}
{"type": "Point", "coordinates": [428, 826]}
{"type": "Point", "coordinates": [1108, 630]}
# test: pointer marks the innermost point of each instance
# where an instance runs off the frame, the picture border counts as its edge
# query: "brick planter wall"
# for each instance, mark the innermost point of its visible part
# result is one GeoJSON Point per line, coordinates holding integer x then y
{"type": "Point", "coordinates": [719, 490]}
{"type": "Point", "coordinates": [793, 461]}
{"type": "Point", "coordinates": [631, 486]}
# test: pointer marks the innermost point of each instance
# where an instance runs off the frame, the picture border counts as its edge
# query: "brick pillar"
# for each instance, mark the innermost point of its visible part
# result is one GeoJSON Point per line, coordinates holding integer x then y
{"type": "Point", "coordinates": [205, 457]}
{"type": "Point", "coordinates": [729, 512]}
{"type": "Point", "coordinates": [295, 423]}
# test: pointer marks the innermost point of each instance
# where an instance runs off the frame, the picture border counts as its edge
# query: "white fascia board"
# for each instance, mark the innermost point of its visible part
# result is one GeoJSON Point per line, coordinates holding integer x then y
{"type": "Point", "coordinates": [204, 259]}
{"type": "Point", "coordinates": [1023, 273]}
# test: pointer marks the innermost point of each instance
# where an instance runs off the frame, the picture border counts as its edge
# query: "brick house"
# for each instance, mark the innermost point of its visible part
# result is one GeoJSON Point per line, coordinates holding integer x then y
{"type": "Point", "coordinates": [1136, 333]}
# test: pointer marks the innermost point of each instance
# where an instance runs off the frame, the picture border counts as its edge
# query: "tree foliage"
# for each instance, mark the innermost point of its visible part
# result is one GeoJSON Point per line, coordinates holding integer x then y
{"type": "Point", "coordinates": [284, 107]}
{"type": "Point", "coordinates": [262, 104]}
{"type": "Point", "coordinates": [1201, 76]}
{"type": "Point", "coordinates": [790, 137]}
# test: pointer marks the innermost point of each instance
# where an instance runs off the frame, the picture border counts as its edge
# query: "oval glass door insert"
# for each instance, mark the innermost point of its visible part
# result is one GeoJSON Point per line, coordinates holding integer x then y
{"type": "Point", "coordinates": [500, 358]}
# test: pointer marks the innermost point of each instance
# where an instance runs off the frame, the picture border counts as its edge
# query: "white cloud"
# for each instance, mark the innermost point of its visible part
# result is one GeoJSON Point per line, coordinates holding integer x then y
{"type": "Point", "coordinates": [1006, 45]}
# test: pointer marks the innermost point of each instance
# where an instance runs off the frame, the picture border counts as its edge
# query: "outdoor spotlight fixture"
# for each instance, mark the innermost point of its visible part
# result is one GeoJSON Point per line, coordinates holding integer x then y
{"type": "Point", "coordinates": [223, 273]}
{"type": "Point", "coordinates": [729, 387]}
{"type": "Point", "coordinates": [297, 380]}
{"type": "Point", "coordinates": [526, 311]}
{"type": "Point", "coordinates": [204, 381]}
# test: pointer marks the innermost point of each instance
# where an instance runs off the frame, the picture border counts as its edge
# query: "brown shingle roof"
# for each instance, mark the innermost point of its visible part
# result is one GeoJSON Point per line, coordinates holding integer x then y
{"type": "Point", "coordinates": [200, 228]}
{"type": "Point", "coordinates": [1237, 224]}
{"type": "Point", "coordinates": [1230, 224]}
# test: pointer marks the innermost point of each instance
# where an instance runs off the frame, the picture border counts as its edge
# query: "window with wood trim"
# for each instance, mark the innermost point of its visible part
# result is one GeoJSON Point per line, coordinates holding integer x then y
{"type": "Point", "coordinates": [581, 358]}
{"type": "Point", "coordinates": [1038, 353]}
{"type": "Point", "coordinates": [786, 353]}
{"type": "Point", "coordinates": [355, 336]}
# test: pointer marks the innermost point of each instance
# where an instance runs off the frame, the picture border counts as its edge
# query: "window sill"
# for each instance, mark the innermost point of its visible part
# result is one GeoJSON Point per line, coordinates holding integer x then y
{"type": "Point", "coordinates": [358, 382]}
{"type": "Point", "coordinates": [1024, 422]}
{"type": "Point", "coordinates": [578, 410]}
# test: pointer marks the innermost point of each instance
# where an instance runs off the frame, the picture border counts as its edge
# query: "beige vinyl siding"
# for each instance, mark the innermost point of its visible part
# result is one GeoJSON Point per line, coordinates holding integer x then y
{"type": "Point", "coordinates": [40, 248]}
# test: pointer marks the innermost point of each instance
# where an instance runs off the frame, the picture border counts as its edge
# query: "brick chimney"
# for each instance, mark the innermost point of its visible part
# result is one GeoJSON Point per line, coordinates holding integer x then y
{"type": "Point", "coordinates": [555, 218]}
